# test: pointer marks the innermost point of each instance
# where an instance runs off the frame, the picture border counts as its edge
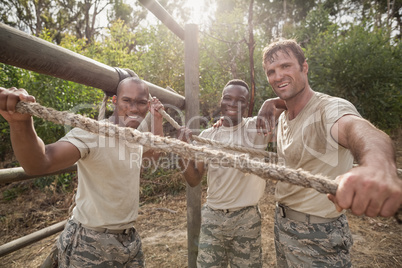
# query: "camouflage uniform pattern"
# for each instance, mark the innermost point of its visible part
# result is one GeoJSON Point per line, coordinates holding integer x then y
{"type": "Point", "coordinates": [230, 238]}
{"type": "Point", "coordinates": [82, 247]}
{"type": "Point", "coordinates": [299, 244]}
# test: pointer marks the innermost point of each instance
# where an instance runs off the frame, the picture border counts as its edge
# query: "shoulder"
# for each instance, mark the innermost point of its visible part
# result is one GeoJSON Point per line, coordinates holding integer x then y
{"type": "Point", "coordinates": [329, 100]}
{"type": "Point", "coordinates": [332, 108]}
{"type": "Point", "coordinates": [250, 121]}
{"type": "Point", "coordinates": [81, 139]}
{"type": "Point", "coordinates": [207, 132]}
{"type": "Point", "coordinates": [79, 133]}
{"type": "Point", "coordinates": [250, 126]}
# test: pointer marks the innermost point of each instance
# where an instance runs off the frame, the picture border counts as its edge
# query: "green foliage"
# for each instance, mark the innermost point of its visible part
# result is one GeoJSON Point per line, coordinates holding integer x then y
{"type": "Point", "coordinates": [51, 92]}
{"type": "Point", "coordinates": [362, 66]}
{"type": "Point", "coordinates": [120, 48]}
{"type": "Point", "coordinates": [359, 63]}
{"type": "Point", "coordinates": [223, 56]}
{"type": "Point", "coordinates": [163, 58]}
{"type": "Point", "coordinates": [12, 193]}
{"type": "Point", "coordinates": [316, 22]}
{"type": "Point", "coordinates": [60, 183]}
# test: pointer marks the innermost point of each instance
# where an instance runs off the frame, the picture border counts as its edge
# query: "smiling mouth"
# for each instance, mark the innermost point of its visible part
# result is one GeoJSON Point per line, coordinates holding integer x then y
{"type": "Point", "coordinates": [133, 117]}
{"type": "Point", "coordinates": [283, 85]}
{"type": "Point", "coordinates": [232, 114]}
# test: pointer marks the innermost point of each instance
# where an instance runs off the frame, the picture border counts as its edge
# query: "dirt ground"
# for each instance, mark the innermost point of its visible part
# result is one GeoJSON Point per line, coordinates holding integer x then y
{"type": "Point", "coordinates": [163, 228]}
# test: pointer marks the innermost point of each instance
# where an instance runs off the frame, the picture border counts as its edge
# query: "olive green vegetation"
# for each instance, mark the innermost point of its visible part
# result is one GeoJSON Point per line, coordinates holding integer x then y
{"type": "Point", "coordinates": [357, 60]}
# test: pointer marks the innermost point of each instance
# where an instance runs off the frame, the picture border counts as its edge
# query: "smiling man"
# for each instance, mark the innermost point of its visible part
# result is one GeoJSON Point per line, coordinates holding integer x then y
{"type": "Point", "coordinates": [101, 231]}
{"type": "Point", "coordinates": [323, 135]}
{"type": "Point", "coordinates": [231, 220]}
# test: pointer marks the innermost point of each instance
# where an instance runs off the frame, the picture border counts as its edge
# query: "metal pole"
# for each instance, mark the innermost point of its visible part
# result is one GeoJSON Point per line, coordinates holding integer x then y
{"type": "Point", "coordinates": [18, 174]}
{"type": "Point", "coordinates": [31, 238]}
{"type": "Point", "coordinates": [32, 53]}
{"type": "Point", "coordinates": [192, 90]}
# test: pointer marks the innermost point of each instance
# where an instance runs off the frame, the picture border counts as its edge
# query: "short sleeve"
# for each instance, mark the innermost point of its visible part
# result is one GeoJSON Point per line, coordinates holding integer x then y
{"type": "Point", "coordinates": [81, 139]}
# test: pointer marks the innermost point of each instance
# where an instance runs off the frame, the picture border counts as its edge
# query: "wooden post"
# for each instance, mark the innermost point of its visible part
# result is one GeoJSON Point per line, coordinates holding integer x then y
{"type": "Point", "coordinates": [191, 74]}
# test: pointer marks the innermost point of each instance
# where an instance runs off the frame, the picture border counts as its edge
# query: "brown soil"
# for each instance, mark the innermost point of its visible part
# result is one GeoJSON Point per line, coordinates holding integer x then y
{"type": "Point", "coordinates": [163, 228]}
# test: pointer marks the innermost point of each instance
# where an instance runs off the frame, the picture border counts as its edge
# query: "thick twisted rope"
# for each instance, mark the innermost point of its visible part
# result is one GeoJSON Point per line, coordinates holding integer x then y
{"type": "Point", "coordinates": [253, 152]}
{"type": "Point", "coordinates": [185, 150]}
{"type": "Point", "coordinates": [217, 144]}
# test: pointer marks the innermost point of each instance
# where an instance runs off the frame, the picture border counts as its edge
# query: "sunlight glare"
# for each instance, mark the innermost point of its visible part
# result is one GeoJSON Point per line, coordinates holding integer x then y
{"type": "Point", "coordinates": [200, 13]}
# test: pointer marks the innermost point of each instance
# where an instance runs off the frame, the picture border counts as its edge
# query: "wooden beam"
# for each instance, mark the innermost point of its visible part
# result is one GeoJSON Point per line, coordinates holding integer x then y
{"type": "Point", "coordinates": [163, 16]}
{"type": "Point", "coordinates": [192, 89]}
{"type": "Point", "coordinates": [31, 238]}
{"type": "Point", "coordinates": [18, 174]}
{"type": "Point", "coordinates": [32, 53]}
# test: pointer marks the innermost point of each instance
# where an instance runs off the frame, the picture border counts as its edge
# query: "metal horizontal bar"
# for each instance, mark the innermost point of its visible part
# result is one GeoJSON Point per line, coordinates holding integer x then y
{"type": "Point", "coordinates": [32, 53]}
{"type": "Point", "coordinates": [18, 174]}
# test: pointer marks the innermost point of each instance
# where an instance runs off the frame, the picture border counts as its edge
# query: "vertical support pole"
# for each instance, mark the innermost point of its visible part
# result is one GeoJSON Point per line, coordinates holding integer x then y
{"type": "Point", "coordinates": [192, 105]}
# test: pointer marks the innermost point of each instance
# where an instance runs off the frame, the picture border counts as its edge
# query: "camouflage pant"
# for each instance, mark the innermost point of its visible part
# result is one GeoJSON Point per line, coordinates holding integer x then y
{"type": "Point", "coordinates": [299, 244]}
{"type": "Point", "coordinates": [81, 247]}
{"type": "Point", "coordinates": [230, 237]}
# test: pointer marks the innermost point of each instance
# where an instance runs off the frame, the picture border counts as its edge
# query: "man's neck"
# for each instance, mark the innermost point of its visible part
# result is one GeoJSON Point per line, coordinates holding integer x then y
{"type": "Point", "coordinates": [227, 123]}
{"type": "Point", "coordinates": [296, 104]}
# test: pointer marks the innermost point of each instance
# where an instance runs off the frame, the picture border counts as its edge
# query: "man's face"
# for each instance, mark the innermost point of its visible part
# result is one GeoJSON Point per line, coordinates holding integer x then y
{"type": "Point", "coordinates": [131, 105]}
{"type": "Point", "coordinates": [285, 75]}
{"type": "Point", "coordinates": [234, 103]}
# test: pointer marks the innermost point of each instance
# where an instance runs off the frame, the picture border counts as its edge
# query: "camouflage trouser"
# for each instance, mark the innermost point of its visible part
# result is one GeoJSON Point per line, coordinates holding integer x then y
{"type": "Point", "coordinates": [230, 237]}
{"type": "Point", "coordinates": [81, 247]}
{"type": "Point", "coordinates": [300, 244]}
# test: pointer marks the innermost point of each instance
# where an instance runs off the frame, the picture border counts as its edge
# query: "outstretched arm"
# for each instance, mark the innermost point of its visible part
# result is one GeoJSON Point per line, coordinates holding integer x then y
{"type": "Point", "coordinates": [373, 188]}
{"type": "Point", "coordinates": [269, 114]}
{"type": "Point", "coordinates": [192, 171]}
{"type": "Point", "coordinates": [31, 152]}
{"type": "Point", "coordinates": [156, 126]}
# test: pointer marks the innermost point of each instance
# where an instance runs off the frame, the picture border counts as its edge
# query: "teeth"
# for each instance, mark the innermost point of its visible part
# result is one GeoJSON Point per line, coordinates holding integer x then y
{"type": "Point", "coordinates": [132, 117]}
{"type": "Point", "coordinates": [283, 85]}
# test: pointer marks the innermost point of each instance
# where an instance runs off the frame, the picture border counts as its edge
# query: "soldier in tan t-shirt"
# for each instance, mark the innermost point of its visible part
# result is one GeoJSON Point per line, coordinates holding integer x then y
{"type": "Point", "coordinates": [101, 231]}
{"type": "Point", "coordinates": [231, 220]}
{"type": "Point", "coordinates": [323, 134]}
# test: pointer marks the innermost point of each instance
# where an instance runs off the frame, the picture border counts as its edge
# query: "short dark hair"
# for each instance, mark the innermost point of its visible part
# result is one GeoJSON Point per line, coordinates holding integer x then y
{"type": "Point", "coordinates": [237, 82]}
{"type": "Point", "coordinates": [135, 80]}
{"type": "Point", "coordinates": [285, 45]}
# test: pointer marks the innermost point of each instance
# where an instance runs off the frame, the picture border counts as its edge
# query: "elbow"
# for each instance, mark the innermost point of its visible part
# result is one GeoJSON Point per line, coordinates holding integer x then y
{"type": "Point", "coordinates": [37, 169]}
{"type": "Point", "coordinates": [192, 183]}
{"type": "Point", "coordinates": [32, 171]}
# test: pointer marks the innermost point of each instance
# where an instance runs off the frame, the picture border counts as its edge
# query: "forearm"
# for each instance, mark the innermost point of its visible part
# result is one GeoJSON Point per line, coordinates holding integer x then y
{"type": "Point", "coordinates": [280, 104]}
{"type": "Point", "coordinates": [28, 148]}
{"type": "Point", "coordinates": [190, 172]}
{"type": "Point", "coordinates": [156, 129]}
{"type": "Point", "coordinates": [156, 126]}
{"type": "Point", "coordinates": [370, 146]}
{"type": "Point", "coordinates": [373, 188]}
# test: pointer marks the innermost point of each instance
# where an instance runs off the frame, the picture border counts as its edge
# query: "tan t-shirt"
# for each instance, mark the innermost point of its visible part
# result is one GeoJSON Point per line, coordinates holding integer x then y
{"type": "Point", "coordinates": [305, 142]}
{"type": "Point", "coordinates": [228, 188]}
{"type": "Point", "coordinates": [108, 180]}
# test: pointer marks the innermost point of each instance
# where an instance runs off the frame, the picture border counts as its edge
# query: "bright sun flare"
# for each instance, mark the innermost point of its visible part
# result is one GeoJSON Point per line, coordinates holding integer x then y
{"type": "Point", "coordinates": [199, 11]}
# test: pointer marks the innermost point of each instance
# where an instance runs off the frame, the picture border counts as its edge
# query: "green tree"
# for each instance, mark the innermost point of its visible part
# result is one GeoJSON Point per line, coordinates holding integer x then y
{"type": "Point", "coordinates": [223, 56]}
{"type": "Point", "coordinates": [362, 66]}
{"type": "Point", "coordinates": [125, 12]}
{"type": "Point", "coordinates": [57, 17]}
{"type": "Point", "coordinates": [163, 60]}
